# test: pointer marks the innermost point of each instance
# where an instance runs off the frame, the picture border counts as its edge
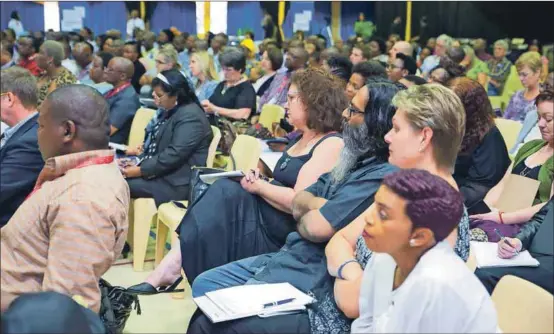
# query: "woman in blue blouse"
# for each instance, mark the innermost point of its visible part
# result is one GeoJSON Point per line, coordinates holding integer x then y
{"type": "Point", "coordinates": [204, 74]}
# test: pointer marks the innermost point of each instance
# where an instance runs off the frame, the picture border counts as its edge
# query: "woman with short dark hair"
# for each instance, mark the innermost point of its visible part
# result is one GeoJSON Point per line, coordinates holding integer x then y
{"type": "Point", "coordinates": [178, 139]}
{"type": "Point", "coordinates": [234, 97]}
{"type": "Point", "coordinates": [414, 282]}
{"type": "Point", "coordinates": [272, 60]}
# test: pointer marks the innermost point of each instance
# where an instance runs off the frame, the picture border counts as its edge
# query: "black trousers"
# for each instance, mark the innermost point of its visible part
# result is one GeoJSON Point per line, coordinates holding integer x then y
{"type": "Point", "coordinates": [543, 275]}
{"type": "Point", "coordinates": [158, 189]}
{"type": "Point", "coordinates": [289, 323]}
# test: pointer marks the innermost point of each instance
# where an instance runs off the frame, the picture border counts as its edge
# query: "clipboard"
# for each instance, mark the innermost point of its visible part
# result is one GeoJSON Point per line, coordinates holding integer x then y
{"type": "Point", "coordinates": [518, 193]}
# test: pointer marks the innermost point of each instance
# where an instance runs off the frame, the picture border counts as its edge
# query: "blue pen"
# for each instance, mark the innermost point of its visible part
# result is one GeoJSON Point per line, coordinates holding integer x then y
{"type": "Point", "coordinates": [279, 302]}
{"type": "Point", "coordinates": [505, 240]}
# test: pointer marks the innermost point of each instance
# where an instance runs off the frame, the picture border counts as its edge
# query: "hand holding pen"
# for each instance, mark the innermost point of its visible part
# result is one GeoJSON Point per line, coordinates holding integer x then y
{"type": "Point", "coordinates": [507, 247]}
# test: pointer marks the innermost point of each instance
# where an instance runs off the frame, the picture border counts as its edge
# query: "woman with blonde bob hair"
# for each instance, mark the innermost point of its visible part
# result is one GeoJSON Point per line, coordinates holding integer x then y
{"type": "Point", "coordinates": [427, 131]}
{"type": "Point", "coordinates": [529, 67]}
{"type": "Point", "coordinates": [204, 74]}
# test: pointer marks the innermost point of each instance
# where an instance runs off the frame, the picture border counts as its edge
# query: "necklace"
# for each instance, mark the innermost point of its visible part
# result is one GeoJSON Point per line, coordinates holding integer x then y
{"type": "Point", "coordinates": [525, 171]}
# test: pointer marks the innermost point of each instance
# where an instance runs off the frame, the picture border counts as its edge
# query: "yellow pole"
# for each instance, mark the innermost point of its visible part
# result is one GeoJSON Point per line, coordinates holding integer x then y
{"type": "Point", "coordinates": [335, 19]}
{"type": "Point", "coordinates": [281, 18]}
{"type": "Point", "coordinates": [408, 20]}
{"type": "Point", "coordinates": [206, 18]}
{"type": "Point", "coordinates": [142, 10]}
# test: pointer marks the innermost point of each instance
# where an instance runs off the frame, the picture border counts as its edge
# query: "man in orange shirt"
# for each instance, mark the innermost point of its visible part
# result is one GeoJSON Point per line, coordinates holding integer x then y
{"type": "Point", "coordinates": [73, 226]}
{"type": "Point", "coordinates": [28, 46]}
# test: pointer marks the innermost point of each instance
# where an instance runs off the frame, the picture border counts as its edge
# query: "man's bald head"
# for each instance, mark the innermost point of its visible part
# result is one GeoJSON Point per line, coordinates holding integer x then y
{"type": "Point", "coordinates": [119, 70]}
{"type": "Point", "coordinates": [74, 118]}
{"type": "Point", "coordinates": [297, 58]}
{"type": "Point", "coordinates": [82, 52]}
{"type": "Point", "coordinates": [401, 47]}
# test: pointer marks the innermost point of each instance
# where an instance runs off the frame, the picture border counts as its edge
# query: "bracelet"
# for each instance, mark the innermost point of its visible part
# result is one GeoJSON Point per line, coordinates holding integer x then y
{"type": "Point", "coordinates": [341, 267]}
{"type": "Point", "coordinates": [500, 216]}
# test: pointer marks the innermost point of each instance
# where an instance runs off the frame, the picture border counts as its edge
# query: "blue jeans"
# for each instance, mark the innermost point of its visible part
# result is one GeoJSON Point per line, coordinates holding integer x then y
{"type": "Point", "coordinates": [232, 274]}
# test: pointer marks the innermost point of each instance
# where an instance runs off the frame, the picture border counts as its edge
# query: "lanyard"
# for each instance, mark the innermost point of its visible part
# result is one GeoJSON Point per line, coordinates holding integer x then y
{"type": "Point", "coordinates": [116, 90]}
{"type": "Point", "coordinates": [89, 162]}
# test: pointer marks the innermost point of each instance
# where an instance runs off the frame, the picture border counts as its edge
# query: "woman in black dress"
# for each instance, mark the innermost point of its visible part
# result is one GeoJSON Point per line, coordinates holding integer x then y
{"type": "Point", "coordinates": [234, 97]}
{"type": "Point", "coordinates": [235, 220]}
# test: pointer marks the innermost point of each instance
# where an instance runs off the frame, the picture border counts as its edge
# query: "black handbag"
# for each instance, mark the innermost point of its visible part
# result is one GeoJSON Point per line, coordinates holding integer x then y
{"type": "Point", "coordinates": [116, 306]}
{"type": "Point", "coordinates": [197, 186]}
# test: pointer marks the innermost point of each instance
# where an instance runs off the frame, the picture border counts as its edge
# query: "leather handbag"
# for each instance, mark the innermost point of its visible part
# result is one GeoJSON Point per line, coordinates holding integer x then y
{"type": "Point", "coordinates": [197, 186]}
{"type": "Point", "coordinates": [116, 306]}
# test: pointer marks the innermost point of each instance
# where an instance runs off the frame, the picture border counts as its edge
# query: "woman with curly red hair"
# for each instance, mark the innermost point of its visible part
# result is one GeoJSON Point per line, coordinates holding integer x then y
{"type": "Point", "coordinates": [483, 157]}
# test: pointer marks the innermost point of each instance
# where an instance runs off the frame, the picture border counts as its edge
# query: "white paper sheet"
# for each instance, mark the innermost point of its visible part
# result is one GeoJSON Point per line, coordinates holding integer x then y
{"type": "Point", "coordinates": [486, 255]}
{"type": "Point", "coordinates": [248, 300]}
{"type": "Point", "coordinates": [211, 178]}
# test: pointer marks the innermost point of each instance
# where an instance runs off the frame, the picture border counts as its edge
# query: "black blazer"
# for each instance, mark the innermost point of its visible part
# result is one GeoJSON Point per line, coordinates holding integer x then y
{"type": "Point", "coordinates": [183, 141]}
{"type": "Point", "coordinates": [20, 164]}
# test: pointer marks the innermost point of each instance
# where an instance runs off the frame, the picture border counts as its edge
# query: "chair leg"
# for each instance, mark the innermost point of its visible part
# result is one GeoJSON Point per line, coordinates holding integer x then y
{"type": "Point", "coordinates": [131, 230]}
{"type": "Point", "coordinates": [145, 213]}
{"type": "Point", "coordinates": [161, 237]}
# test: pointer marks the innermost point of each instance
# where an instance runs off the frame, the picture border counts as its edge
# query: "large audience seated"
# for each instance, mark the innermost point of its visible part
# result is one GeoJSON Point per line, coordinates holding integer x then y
{"type": "Point", "coordinates": [391, 165]}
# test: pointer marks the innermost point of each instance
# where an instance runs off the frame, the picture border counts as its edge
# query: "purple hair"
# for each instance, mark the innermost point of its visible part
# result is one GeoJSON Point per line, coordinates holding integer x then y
{"type": "Point", "coordinates": [431, 202]}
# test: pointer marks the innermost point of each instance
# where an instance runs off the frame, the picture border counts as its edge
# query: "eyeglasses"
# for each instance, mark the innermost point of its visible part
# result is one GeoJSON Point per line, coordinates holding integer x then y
{"type": "Point", "coordinates": [108, 70]}
{"type": "Point", "coordinates": [156, 96]}
{"type": "Point", "coordinates": [6, 93]}
{"type": "Point", "coordinates": [353, 110]}
{"type": "Point", "coordinates": [291, 97]}
{"type": "Point", "coordinates": [392, 66]}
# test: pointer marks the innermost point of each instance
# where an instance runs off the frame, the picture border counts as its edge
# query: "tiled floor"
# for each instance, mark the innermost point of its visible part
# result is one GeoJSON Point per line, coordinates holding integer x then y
{"type": "Point", "coordinates": [161, 313]}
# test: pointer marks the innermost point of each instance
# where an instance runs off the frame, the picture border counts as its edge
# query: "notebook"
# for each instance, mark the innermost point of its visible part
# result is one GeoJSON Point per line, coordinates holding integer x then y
{"type": "Point", "coordinates": [486, 255]}
{"type": "Point", "coordinates": [252, 300]}
{"type": "Point", "coordinates": [211, 178]}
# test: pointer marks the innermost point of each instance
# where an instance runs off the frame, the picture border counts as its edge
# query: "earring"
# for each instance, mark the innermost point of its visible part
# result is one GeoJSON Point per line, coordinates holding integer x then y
{"type": "Point", "coordinates": [412, 242]}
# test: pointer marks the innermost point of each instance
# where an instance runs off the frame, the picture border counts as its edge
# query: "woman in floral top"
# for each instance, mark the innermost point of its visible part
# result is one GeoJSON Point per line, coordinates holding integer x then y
{"type": "Point", "coordinates": [427, 134]}
{"type": "Point", "coordinates": [529, 67]}
{"type": "Point", "coordinates": [49, 59]}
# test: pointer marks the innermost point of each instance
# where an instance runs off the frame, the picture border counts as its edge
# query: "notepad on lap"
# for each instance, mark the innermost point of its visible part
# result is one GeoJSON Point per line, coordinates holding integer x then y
{"type": "Point", "coordinates": [250, 300]}
{"type": "Point", "coordinates": [486, 255]}
{"type": "Point", "coordinates": [211, 178]}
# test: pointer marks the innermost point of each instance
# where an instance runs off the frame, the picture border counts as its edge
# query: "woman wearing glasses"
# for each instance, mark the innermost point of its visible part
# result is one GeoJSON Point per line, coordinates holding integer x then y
{"type": "Point", "coordinates": [234, 97]}
{"type": "Point", "coordinates": [179, 139]}
{"type": "Point", "coordinates": [253, 216]}
{"type": "Point", "coordinates": [166, 60]}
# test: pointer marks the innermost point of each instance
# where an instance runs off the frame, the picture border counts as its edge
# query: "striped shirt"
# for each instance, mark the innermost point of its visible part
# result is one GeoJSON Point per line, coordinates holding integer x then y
{"type": "Point", "coordinates": [68, 232]}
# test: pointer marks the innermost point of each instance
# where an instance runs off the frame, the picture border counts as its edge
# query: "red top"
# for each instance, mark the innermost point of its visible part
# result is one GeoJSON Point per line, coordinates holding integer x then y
{"type": "Point", "coordinates": [31, 65]}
